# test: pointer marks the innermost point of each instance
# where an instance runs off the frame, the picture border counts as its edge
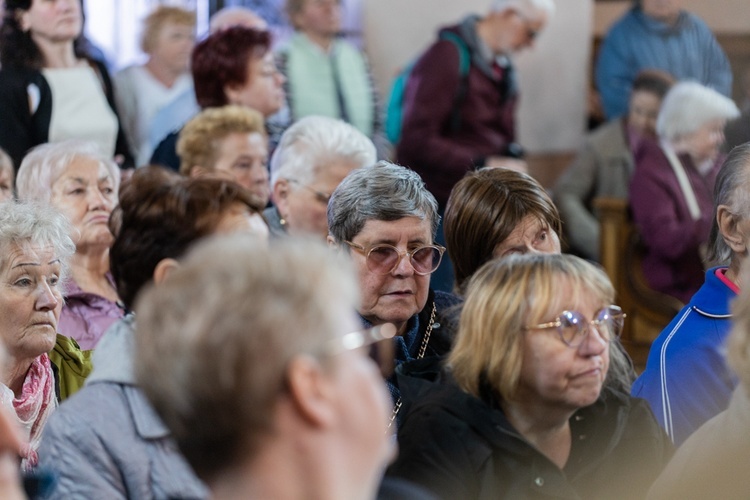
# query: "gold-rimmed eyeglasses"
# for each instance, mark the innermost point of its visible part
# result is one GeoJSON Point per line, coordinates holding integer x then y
{"type": "Point", "coordinates": [383, 258]}
{"type": "Point", "coordinates": [573, 327]}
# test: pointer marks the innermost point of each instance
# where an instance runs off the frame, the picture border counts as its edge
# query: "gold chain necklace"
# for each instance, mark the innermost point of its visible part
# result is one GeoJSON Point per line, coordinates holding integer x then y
{"type": "Point", "coordinates": [420, 355]}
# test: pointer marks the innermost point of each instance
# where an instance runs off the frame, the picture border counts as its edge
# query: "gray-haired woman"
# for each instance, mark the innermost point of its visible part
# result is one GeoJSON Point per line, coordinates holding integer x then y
{"type": "Point", "coordinates": [386, 219]}
{"type": "Point", "coordinates": [312, 158]}
{"type": "Point", "coordinates": [35, 248]}
{"type": "Point", "coordinates": [78, 180]}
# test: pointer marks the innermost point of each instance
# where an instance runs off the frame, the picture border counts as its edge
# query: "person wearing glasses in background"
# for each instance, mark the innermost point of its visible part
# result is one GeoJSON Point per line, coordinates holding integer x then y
{"type": "Point", "coordinates": [522, 409]}
{"type": "Point", "coordinates": [311, 419]}
{"type": "Point", "coordinates": [312, 158]}
{"type": "Point", "coordinates": [460, 101]}
{"type": "Point", "coordinates": [385, 219]}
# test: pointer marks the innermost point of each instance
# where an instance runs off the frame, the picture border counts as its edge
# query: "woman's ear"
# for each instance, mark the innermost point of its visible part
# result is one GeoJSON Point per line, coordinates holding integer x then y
{"type": "Point", "coordinates": [279, 196]}
{"type": "Point", "coordinates": [22, 16]}
{"type": "Point", "coordinates": [728, 224]}
{"type": "Point", "coordinates": [311, 391]}
{"type": "Point", "coordinates": [163, 269]}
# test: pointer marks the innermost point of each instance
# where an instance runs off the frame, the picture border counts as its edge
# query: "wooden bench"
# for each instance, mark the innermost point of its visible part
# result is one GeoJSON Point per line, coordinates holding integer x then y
{"type": "Point", "coordinates": [648, 311]}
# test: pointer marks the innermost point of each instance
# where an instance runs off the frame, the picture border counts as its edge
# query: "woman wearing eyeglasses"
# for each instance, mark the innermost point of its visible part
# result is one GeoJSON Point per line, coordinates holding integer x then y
{"type": "Point", "coordinates": [312, 158]}
{"type": "Point", "coordinates": [385, 218]}
{"type": "Point", "coordinates": [522, 409]}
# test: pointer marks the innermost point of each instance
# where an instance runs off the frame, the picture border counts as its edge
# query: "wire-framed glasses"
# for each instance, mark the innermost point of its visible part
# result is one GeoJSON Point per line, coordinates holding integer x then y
{"type": "Point", "coordinates": [384, 259]}
{"type": "Point", "coordinates": [573, 327]}
{"type": "Point", "coordinates": [375, 339]}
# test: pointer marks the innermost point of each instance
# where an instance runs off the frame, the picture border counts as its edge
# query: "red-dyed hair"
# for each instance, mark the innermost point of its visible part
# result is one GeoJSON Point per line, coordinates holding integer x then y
{"type": "Point", "coordinates": [222, 59]}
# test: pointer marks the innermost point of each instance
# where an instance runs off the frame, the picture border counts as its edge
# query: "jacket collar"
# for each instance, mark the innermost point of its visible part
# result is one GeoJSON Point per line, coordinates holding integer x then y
{"type": "Point", "coordinates": [113, 356]}
{"type": "Point", "coordinates": [713, 298]}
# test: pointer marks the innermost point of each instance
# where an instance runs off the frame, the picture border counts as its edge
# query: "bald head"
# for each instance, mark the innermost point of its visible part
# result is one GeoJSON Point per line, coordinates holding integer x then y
{"type": "Point", "coordinates": [236, 16]}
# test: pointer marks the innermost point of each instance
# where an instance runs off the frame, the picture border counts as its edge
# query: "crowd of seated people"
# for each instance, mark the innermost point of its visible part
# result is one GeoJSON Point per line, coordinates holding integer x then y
{"type": "Point", "coordinates": [148, 350]}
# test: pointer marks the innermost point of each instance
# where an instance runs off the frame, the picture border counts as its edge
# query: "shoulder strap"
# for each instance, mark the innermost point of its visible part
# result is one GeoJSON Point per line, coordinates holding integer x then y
{"type": "Point", "coordinates": [464, 64]}
{"type": "Point", "coordinates": [683, 181]}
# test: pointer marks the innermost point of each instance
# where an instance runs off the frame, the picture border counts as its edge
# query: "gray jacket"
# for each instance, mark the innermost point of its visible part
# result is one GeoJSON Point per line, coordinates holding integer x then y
{"type": "Point", "coordinates": [602, 167]}
{"type": "Point", "coordinates": [107, 442]}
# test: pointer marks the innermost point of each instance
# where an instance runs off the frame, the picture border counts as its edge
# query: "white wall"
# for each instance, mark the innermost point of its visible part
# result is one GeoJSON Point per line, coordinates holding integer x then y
{"type": "Point", "coordinates": [552, 75]}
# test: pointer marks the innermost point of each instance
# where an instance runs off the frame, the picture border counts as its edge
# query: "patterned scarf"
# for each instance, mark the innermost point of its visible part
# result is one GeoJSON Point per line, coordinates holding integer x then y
{"type": "Point", "coordinates": [33, 407]}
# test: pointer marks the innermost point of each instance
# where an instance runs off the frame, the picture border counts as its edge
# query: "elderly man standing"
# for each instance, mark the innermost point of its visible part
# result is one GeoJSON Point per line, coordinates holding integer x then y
{"type": "Point", "coordinates": [658, 34]}
{"type": "Point", "coordinates": [460, 99]}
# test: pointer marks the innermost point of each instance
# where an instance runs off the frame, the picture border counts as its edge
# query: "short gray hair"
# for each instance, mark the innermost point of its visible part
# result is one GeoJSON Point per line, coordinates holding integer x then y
{"type": "Point", "coordinates": [688, 106]}
{"type": "Point", "coordinates": [44, 164]}
{"type": "Point", "coordinates": [214, 340]}
{"type": "Point", "coordinates": [732, 189]}
{"type": "Point", "coordinates": [38, 225]}
{"type": "Point", "coordinates": [529, 8]}
{"type": "Point", "coordinates": [384, 192]}
{"type": "Point", "coordinates": [316, 141]}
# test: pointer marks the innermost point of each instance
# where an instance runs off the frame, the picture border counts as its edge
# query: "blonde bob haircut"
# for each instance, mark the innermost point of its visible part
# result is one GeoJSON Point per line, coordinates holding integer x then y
{"type": "Point", "coordinates": [157, 19]}
{"type": "Point", "coordinates": [200, 139]}
{"type": "Point", "coordinates": [504, 296]}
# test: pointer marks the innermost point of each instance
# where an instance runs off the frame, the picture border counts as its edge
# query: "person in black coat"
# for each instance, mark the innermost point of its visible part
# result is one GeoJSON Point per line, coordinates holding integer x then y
{"type": "Point", "coordinates": [523, 408]}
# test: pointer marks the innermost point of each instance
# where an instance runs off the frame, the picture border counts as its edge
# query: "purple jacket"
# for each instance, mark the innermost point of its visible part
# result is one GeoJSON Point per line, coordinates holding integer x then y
{"type": "Point", "coordinates": [86, 316]}
{"type": "Point", "coordinates": [428, 144]}
{"type": "Point", "coordinates": [672, 263]}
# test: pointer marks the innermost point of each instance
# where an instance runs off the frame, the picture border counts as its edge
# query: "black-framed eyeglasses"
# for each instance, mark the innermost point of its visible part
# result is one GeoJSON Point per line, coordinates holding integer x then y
{"type": "Point", "coordinates": [320, 196]}
{"type": "Point", "coordinates": [573, 327]}
{"type": "Point", "coordinates": [383, 258]}
{"type": "Point", "coordinates": [375, 339]}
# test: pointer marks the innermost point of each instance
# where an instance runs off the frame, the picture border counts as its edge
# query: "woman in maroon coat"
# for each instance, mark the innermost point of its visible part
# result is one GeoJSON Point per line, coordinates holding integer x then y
{"type": "Point", "coordinates": [671, 192]}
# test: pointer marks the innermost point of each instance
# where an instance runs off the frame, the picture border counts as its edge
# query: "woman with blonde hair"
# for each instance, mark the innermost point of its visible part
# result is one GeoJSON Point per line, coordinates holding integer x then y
{"type": "Point", "coordinates": [143, 89]}
{"type": "Point", "coordinates": [523, 407]}
{"type": "Point", "coordinates": [228, 141]}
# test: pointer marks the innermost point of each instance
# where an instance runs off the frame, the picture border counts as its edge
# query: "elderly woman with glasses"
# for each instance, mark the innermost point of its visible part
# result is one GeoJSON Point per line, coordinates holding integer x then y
{"type": "Point", "coordinates": [312, 158]}
{"type": "Point", "coordinates": [386, 219]}
{"type": "Point", "coordinates": [522, 409]}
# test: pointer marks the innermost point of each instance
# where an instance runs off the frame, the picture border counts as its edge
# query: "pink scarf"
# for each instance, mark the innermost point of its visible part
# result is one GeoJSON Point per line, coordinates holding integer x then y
{"type": "Point", "coordinates": [35, 404]}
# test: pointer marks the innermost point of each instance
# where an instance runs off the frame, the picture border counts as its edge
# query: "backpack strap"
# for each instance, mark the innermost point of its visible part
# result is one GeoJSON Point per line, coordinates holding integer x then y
{"type": "Point", "coordinates": [464, 64]}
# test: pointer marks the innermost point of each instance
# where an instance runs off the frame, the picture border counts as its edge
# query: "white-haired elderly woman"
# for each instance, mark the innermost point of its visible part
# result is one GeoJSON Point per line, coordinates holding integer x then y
{"type": "Point", "coordinates": [35, 248]}
{"type": "Point", "coordinates": [687, 380]}
{"type": "Point", "coordinates": [312, 158]}
{"type": "Point", "coordinates": [671, 189]}
{"type": "Point", "coordinates": [712, 463]}
{"type": "Point", "coordinates": [522, 410]}
{"type": "Point", "coordinates": [78, 180]}
{"type": "Point", "coordinates": [386, 219]}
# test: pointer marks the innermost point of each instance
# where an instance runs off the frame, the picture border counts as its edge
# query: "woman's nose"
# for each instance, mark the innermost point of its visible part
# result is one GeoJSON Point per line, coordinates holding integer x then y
{"type": "Point", "coordinates": [47, 298]}
{"type": "Point", "coordinates": [595, 343]}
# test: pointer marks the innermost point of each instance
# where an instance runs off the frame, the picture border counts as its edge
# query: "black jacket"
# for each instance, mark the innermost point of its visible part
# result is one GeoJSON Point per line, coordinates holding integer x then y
{"type": "Point", "coordinates": [20, 130]}
{"type": "Point", "coordinates": [461, 447]}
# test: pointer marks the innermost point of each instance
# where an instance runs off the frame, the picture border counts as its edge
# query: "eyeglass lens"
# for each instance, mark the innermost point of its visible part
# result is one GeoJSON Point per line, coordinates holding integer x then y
{"type": "Point", "coordinates": [384, 259]}
{"type": "Point", "coordinates": [574, 327]}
